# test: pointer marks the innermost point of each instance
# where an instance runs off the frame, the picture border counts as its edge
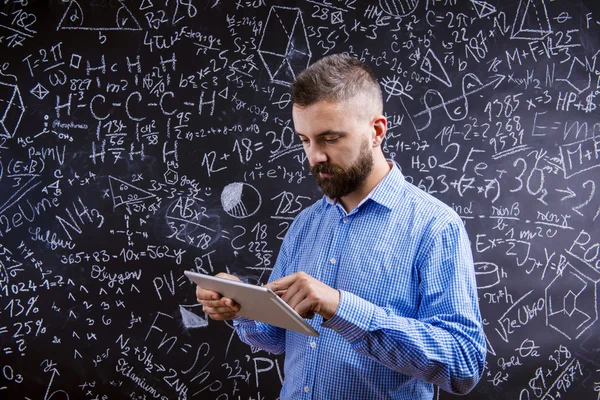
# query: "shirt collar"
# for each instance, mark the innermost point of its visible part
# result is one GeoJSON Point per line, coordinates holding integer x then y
{"type": "Point", "coordinates": [385, 191]}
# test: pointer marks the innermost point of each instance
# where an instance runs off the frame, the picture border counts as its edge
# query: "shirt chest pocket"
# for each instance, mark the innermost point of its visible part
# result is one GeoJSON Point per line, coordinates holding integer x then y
{"type": "Point", "coordinates": [381, 276]}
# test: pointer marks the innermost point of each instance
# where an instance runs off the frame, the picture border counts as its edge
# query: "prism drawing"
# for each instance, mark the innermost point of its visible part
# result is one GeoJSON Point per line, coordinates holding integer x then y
{"type": "Point", "coordinates": [287, 56]}
{"type": "Point", "coordinates": [11, 109]}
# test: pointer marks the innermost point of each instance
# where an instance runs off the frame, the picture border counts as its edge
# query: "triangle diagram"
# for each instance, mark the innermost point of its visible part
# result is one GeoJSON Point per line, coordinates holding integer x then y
{"type": "Point", "coordinates": [146, 4]}
{"type": "Point", "coordinates": [125, 193]}
{"type": "Point", "coordinates": [85, 16]}
{"type": "Point", "coordinates": [483, 8]}
{"type": "Point", "coordinates": [433, 67]}
{"type": "Point", "coordinates": [191, 320]}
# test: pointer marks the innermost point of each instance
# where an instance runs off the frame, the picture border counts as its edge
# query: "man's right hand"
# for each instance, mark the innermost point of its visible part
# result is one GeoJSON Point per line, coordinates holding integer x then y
{"type": "Point", "coordinates": [214, 305]}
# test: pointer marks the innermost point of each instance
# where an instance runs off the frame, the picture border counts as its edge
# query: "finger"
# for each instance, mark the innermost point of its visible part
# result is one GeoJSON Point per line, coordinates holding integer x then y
{"type": "Point", "coordinates": [227, 302]}
{"type": "Point", "coordinates": [223, 302]}
{"type": "Point", "coordinates": [280, 292]}
{"type": "Point", "coordinates": [282, 283]}
{"type": "Point", "coordinates": [227, 276]}
{"type": "Point", "coordinates": [208, 295]}
{"type": "Point", "coordinates": [294, 298]}
{"type": "Point", "coordinates": [219, 310]}
{"type": "Point", "coordinates": [305, 308]}
{"type": "Point", "coordinates": [222, 317]}
{"type": "Point", "coordinates": [212, 303]}
{"type": "Point", "coordinates": [204, 294]}
{"type": "Point", "coordinates": [291, 292]}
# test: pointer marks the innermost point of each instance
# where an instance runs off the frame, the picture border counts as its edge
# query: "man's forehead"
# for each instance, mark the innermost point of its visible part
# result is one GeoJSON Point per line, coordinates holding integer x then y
{"type": "Point", "coordinates": [327, 132]}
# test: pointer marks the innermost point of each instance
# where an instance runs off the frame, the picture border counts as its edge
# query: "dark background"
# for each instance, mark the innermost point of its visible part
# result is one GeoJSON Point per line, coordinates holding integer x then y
{"type": "Point", "coordinates": [139, 139]}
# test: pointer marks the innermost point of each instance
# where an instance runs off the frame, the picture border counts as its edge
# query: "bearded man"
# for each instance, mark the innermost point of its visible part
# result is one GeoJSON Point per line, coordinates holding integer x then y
{"type": "Point", "coordinates": [383, 270]}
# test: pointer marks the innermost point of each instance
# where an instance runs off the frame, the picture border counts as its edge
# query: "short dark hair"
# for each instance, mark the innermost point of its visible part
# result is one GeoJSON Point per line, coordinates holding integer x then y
{"type": "Point", "coordinates": [337, 77]}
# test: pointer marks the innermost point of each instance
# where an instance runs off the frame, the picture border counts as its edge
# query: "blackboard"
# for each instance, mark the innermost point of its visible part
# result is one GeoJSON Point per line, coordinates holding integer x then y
{"type": "Point", "coordinates": [142, 138]}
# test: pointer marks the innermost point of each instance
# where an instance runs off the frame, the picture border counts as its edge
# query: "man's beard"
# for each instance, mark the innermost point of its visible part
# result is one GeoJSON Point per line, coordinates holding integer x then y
{"type": "Point", "coordinates": [344, 181]}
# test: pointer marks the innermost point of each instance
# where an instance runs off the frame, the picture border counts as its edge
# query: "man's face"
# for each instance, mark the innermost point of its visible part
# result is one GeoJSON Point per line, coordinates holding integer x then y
{"type": "Point", "coordinates": [336, 139]}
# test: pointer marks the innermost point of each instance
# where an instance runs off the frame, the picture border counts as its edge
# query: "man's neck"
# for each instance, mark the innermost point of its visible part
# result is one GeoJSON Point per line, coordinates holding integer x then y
{"type": "Point", "coordinates": [380, 169]}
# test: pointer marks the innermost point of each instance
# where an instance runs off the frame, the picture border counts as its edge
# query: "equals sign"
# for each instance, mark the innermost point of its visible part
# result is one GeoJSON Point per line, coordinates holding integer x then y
{"type": "Point", "coordinates": [143, 253]}
{"type": "Point", "coordinates": [183, 280]}
{"type": "Point", "coordinates": [258, 146]}
{"type": "Point", "coordinates": [224, 234]}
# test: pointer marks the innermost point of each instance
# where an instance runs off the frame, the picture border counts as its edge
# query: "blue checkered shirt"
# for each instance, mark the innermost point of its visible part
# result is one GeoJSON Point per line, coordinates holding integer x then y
{"type": "Point", "coordinates": [408, 316]}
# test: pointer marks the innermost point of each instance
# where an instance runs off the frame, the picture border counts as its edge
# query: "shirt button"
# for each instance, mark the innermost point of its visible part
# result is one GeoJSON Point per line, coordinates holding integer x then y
{"type": "Point", "coordinates": [345, 220]}
{"type": "Point", "coordinates": [306, 389]}
{"type": "Point", "coordinates": [313, 345]}
{"type": "Point", "coordinates": [332, 260]}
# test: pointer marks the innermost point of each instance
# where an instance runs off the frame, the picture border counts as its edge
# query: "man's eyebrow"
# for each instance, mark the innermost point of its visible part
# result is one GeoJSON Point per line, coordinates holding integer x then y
{"type": "Point", "coordinates": [327, 133]}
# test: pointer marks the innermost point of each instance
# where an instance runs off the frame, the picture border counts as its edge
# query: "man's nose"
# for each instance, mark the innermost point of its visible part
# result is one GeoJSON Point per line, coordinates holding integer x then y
{"type": "Point", "coordinates": [315, 155]}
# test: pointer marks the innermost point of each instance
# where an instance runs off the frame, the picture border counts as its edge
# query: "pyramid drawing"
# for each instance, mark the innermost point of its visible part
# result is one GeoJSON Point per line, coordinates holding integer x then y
{"type": "Point", "coordinates": [84, 16]}
{"type": "Point", "coordinates": [532, 21]}
{"type": "Point", "coordinates": [483, 8]}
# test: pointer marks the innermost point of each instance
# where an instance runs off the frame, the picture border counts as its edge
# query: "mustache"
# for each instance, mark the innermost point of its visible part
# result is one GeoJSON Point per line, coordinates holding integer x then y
{"type": "Point", "coordinates": [329, 169]}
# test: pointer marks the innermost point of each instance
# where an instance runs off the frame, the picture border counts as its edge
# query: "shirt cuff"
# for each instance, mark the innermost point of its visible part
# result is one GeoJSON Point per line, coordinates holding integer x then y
{"type": "Point", "coordinates": [352, 317]}
{"type": "Point", "coordinates": [242, 321]}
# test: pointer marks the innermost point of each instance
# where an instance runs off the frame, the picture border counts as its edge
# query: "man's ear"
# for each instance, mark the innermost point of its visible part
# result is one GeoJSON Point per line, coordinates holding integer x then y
{"type": "Point", "coordinates": [379, 129]}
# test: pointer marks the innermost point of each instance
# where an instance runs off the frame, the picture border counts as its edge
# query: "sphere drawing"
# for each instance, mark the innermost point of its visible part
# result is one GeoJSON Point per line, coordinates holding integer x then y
{"type": "Point", "coordinates": [240, 200]}
{"type": "Point", "coordinates": [399, 8]}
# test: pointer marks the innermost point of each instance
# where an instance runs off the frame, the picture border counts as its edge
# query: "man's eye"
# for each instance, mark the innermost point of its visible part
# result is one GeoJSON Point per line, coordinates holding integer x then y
{"type": "Point", "coordinates": [331, 140]}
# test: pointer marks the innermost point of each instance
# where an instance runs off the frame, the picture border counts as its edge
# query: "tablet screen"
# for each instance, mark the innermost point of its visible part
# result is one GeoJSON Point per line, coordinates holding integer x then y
{"type": "Point", "coordinates": [256, 302]}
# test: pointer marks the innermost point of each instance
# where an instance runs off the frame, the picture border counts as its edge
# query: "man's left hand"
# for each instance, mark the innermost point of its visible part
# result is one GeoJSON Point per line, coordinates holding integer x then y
{"type": "Point", "coordinates": [307, 295]}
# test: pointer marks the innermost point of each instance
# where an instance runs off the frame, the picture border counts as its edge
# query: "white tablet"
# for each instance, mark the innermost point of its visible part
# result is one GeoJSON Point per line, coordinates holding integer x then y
{"type": "Point", "coordinates": [256, 302]}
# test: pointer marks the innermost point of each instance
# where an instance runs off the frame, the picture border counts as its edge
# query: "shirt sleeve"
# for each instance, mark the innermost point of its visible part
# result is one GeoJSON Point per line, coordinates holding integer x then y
{"type": "Point", "coordinates": [445, 345]}
{"type": "Point", "coordinates": [258, 334]}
